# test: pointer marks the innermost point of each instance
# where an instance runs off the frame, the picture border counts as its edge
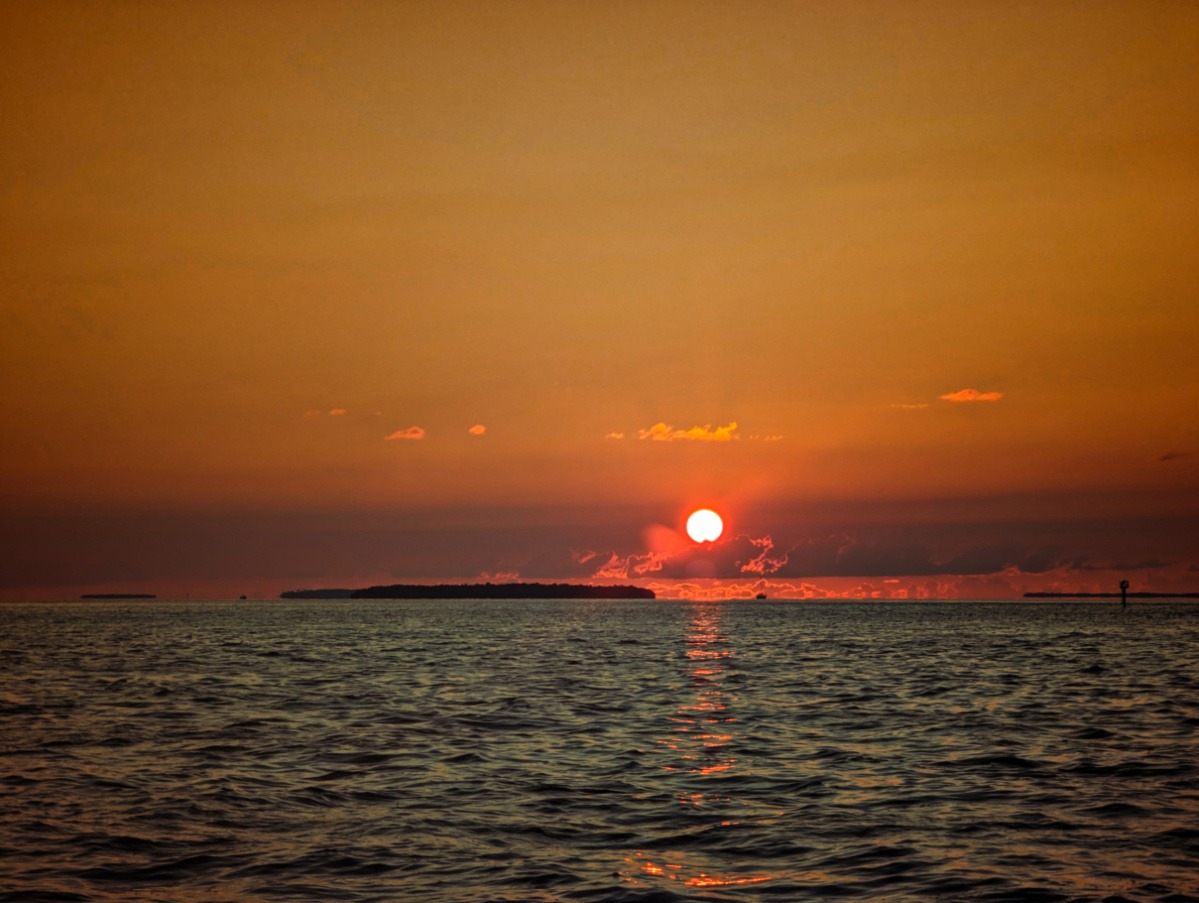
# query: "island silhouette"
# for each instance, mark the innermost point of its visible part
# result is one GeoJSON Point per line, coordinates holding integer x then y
{"type": "Point", "coordinates": [477, 591]}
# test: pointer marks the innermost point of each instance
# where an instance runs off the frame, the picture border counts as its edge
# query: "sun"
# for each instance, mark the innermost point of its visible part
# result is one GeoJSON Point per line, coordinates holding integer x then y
{"type": "Point", "coordinates": [704, 525]}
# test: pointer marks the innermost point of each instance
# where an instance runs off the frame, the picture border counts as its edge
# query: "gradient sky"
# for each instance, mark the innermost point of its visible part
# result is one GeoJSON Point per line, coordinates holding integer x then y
{"type": "Point", "coordinates": [305, 294]}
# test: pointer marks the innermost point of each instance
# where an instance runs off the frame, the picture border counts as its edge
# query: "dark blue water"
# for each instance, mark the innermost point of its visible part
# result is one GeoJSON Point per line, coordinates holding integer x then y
{"type": "Point", "coordinates": [598, 751]}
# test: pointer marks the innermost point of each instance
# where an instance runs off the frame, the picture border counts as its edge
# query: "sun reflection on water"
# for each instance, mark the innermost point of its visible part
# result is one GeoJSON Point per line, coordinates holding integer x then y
{"type": "Point", "coordinates": [700, 758]}
{"type": "Point", "coordinates": [704, 720]}
{"type": "Point", "coordinates": [679, 872]}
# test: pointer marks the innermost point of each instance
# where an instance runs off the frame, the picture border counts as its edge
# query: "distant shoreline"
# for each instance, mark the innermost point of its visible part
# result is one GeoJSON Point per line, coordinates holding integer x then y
{"type": "Point", "coordinates": [477, 591]}
{"type": "Point", "coordinates": [1111, 595]}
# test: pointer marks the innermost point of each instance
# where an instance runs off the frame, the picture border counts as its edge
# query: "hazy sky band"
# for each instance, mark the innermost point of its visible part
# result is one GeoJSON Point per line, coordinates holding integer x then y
{"type": "Point", "coordinates": [290, 259]}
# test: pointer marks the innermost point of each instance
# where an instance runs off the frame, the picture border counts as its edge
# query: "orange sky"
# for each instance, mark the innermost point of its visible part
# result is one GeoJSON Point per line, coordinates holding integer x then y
{"type": "Point", "coordinates": [858, 272]}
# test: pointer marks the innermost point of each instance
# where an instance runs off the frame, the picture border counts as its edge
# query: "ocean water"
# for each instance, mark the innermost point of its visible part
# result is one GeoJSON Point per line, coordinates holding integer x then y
{"type": "Point", "coordinates": [598, 751]}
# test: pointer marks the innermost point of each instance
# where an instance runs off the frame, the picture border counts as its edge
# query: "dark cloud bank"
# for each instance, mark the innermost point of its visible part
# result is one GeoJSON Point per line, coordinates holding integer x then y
{"type": "Point", "coordinates": [76, 548]}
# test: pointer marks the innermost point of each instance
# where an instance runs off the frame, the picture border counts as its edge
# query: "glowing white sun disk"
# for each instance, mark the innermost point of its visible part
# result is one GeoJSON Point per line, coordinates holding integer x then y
{"type": "Point", "coordinates": [704, 525]}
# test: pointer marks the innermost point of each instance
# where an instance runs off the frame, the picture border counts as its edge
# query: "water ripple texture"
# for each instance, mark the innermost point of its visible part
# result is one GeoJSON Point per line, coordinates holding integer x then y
{"type": "Point", "coordinates": [463, 752]}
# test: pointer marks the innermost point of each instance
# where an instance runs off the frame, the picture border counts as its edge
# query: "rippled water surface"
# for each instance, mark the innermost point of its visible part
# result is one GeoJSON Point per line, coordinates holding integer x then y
{"type": "Point", "coordinates": [598, 751]}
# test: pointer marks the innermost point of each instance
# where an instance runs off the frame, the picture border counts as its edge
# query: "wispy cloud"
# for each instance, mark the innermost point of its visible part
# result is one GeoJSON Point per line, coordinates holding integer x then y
{"type": "Point", "coordinates": [1146, 565]}
{"type": "Point", "coordinates": [477, 430]}
{"type": "Point", "coordinates": [918, 406]}
{"type": "Point", "coordinates": [508, 576]}
{"type": "Point", "coordinates": [663, 432]}
{"type": "Point", "coordinates": [614, 436]}
{"type": "Point", "coordinates": [613, 568]}
{"type": "Point", "coordinates": [1173, 456]}
{"type": "Point", "coordinates": [968, 395]}
{"type": "Point", "coordinates": [839, 554]}
{"type": "Point", "coordinates": [333, 412]}
{"type": "Point", "coordinates": [763, 564]}
{"type": "Point", "coordinates": [412, 432]}
{"type": "Point", "coordinates": [618, 567]}
{"type": "Point", "coordinates": [670, 557]}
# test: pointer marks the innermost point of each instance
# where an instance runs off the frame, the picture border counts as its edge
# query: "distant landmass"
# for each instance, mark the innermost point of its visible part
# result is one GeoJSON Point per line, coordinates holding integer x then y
{"type": "Point", "coordinates": [118, 596]}
{"type": "Point", "coordinates": [1111, 595]}
{"type": "Point", "coordinates": [477, 591]}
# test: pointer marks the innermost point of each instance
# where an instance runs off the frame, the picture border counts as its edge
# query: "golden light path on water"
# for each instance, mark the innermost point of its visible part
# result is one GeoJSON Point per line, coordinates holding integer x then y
{"type": "Point", "coordinates": [701, 756]}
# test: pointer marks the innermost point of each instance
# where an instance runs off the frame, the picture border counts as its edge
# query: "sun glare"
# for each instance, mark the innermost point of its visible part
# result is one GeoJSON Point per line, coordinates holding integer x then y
{"type": "Point", "coordinates": [704, 525]}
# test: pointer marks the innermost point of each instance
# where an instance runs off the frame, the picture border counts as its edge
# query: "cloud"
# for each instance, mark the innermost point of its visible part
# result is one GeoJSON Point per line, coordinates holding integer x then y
{"type": "Point", "coordinates": [845, 555]}
{"type": "Point", "coordinates": [763, 564]}
{"type": "Point", "coordinates": [337, 412]}
{"type": "Point", "coordinates": [671, 558]}
{"type": "Point", "coordinates": [500, 576]}
{"type": "Point", "coordinates": [965, 395]}
{"type": "Point", "coordinates": [837, 554]}
{"type": "Point", "coordinates": [617, 567]}
{"type": "Point", "coordinates": [412, 432]}
{"type": "Point", "coordinates": [1173, 456]}
{"type": "Point", "coordinates": [614, 567]}
{"type": "Point", "coordinates": [614, 436]}
{"type": "Point", "coordinates": [745, 589]}
{"type": "Point", "coordinates": [477, 430]}
{"type": "Point", "coordinates": [919, 406]}
{"type": "Point", "coordinates": [1148, 564]}
{"type": "Point", "coordinates": [662, 432]}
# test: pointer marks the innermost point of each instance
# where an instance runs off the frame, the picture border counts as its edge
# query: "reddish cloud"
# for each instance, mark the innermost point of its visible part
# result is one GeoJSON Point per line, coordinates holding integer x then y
{"type": "Point", "coordinates": [670, 556]}
{"type": "Point", "coordinates": [614, 436]}
{"type": "Point", "coordinates": [1009, 583]}
{"type": "Point", "coordinates": [662, 432]}
{"type": "Point", "coordinates": [859, 565]}
{"type": "Point", "coordinates": [617, 567]}
{"type": "Point", "coordinates": [968, 395]}
{"type": "Point", "coordinates": [477, 430]}
{"type": "Point", "coordinates": [919, 406]}
{"type": "Point", "coordinates": [613, 568]}
{"type": "Point", "coordinates": [500, 576]}
{"type": "Point", "coordinates": [337, 412]}
{"type": "Point", "coordinates": [763, 564]}
{"type": "Point", "coordinates": [412, 432]}
{"type": "Point", "coordinates": [716, 590]}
